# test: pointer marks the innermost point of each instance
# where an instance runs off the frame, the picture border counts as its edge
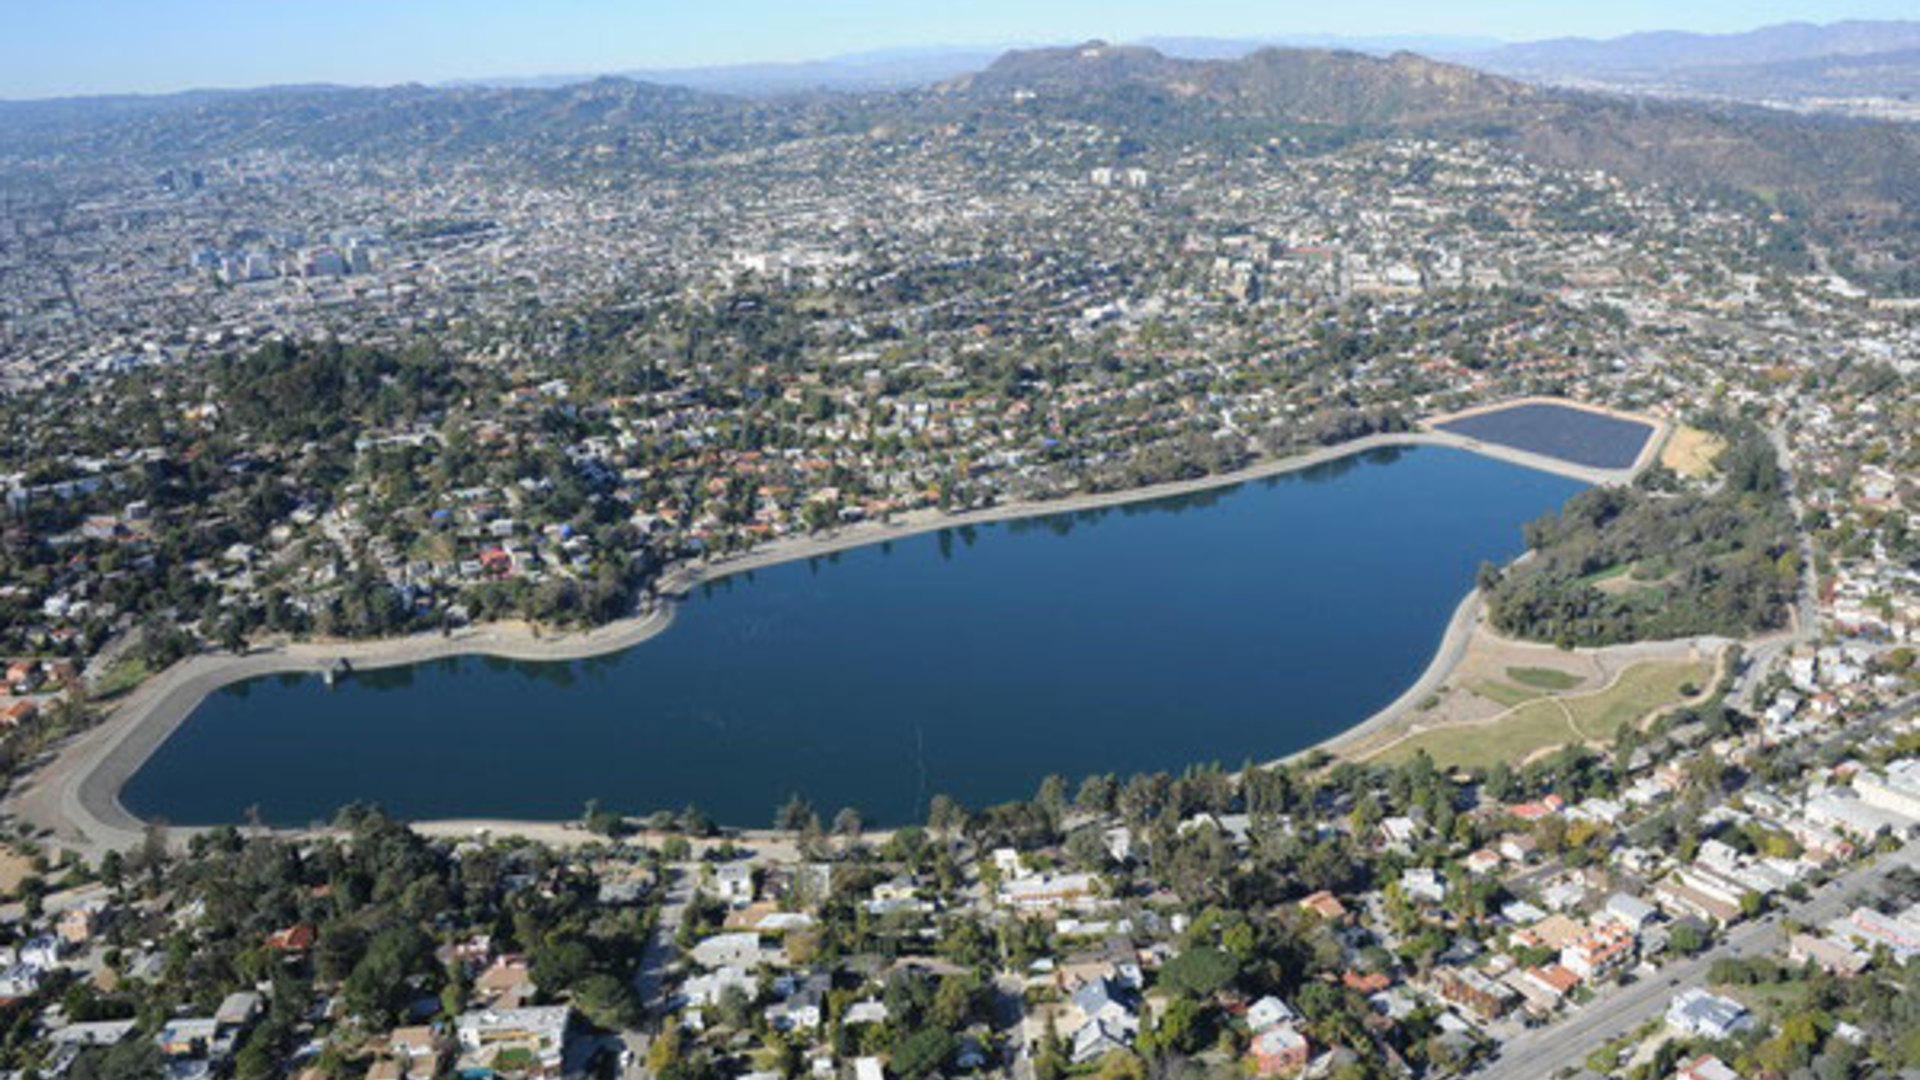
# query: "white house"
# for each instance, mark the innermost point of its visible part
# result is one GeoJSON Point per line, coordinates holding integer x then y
{"type": "Point", "coordinates": [1710, 1016]}
{"type": "Point", "coordinates": [540, 1031]}
{"type": "Point", "coordinates": [1269, 1012]}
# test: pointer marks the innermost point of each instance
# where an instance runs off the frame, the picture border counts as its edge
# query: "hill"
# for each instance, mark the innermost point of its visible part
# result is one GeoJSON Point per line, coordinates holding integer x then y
{"type": "Point", "coordinates": [1852, 181]}
{"type": "Point", "coordinates": [1848, 177]}
{"type": "Point", "coordinates": [1654, 56]}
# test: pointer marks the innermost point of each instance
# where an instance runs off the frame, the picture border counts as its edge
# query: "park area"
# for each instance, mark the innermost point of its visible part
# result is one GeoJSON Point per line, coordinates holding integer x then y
{"type": "Point", "coordinates": [1541, 714]}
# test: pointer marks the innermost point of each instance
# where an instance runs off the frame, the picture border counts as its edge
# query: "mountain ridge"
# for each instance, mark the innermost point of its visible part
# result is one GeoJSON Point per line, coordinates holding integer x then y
{"type": "Point", "coordinates": [1653, 52]}
{"type": "Point", "coordinates": [1848, 177]}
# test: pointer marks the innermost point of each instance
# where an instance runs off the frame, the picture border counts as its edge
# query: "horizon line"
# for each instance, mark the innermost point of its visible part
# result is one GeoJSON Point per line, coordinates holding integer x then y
{"type": "Point", "coordinates": [646, 73]}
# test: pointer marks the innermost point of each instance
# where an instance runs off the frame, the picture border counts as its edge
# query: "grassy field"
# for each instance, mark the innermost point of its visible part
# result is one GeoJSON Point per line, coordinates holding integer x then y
{"type": "Point", "coordinates": [120, 679]}
{"type": "Point", "coordinates": [1547, 722]}
{"type": "Point", "coordinates": [1524, 684]}
{"type": "Point", "coordinates": [1544, 678]}
{"type": "Point", "coordinates": [1601, 577]}
{"type": "Point", "coordinates": [1504, 693]}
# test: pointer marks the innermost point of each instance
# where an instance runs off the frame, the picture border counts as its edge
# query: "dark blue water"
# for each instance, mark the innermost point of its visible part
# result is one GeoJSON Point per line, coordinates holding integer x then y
{"type": "Point", "coordinates": [1584, 438]}
{"type": "Point", "coordinates": [1246, 623]}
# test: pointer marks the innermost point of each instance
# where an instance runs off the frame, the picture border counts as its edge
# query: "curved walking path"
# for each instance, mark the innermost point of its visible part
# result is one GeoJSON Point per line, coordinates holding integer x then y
{"type": "Point", "coordinates": [1619, 658]}
{"type": "Point", "coordinates": [77, 795]}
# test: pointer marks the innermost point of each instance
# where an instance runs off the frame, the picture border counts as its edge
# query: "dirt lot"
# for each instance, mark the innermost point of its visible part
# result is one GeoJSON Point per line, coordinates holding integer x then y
{"type": "Point", "coordinates": [1691, 452]}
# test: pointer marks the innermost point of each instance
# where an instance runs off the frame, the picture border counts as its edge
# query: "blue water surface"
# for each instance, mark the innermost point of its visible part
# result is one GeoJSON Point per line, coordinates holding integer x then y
{"type": "Point", "coordinates": [1585, 438]}
{"type": "Point", "coordinates": [1245, 623]}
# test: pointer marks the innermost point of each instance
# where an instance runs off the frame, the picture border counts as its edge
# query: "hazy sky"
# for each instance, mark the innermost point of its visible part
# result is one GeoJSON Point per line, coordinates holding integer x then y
{"type": "Point", "coordinates": [51, 47]}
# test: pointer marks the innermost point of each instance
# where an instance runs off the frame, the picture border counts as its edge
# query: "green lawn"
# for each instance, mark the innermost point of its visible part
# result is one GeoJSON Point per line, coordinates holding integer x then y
{"type": "Point", "coordinates": [1505, 693]}
{"type": "Point", "coordinates": [1541, 678]}
{"type": "Point", "coordinates": [1608, 574]}
{"type": "Point", "coordinates": [123, 677]}
{"type": "Point", "coordinates": [1777, 1001]}
{"type": "Point", "coordinates": [1552, 722]}
{"type": "Point", "coordinates": [1641, 689]}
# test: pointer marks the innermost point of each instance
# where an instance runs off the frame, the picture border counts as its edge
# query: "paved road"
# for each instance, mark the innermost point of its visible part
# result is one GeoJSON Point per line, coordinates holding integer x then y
{"type": "Point", "coordinates": [660, 952]}
{"type": "Point", "coordinates": [1541, 1052]}
{"type": "Point", "coordinates": [1763, 656]}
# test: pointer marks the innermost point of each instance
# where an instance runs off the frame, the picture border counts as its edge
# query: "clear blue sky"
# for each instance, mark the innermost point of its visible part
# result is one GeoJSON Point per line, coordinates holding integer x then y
{"type": "Point", "coordinates": [55, 47]}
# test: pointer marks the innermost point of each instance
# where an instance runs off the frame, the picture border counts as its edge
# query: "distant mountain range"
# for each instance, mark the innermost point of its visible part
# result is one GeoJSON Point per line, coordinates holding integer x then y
{"type": "Point", "coordinates": [906, 69]}
{"type": "Point", "coordinates": [1652, 55]}
{"type": "Point", "coordinates": [1799, 64]}
{"type": "Point", "coordinates": [892, 69]}
{"type": "Point", "coordinates": [1789, 63]}
{"type": "Point", "coordinates": [1848, 179]}
{"type": "Point", "coordinates": [1813, 165]}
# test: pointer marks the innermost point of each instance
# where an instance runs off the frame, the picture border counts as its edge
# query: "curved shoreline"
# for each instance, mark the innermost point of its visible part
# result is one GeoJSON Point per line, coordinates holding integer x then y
{"type": "Point", "coordinates": [77, 794]}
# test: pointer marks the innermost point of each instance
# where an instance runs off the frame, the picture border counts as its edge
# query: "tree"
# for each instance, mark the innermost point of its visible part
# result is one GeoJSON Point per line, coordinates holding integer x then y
{"type": "Point", "coordinates": [338, 949]}
{"type": "Point", "coordinates": [796, 815]}
{"type": "Point", "coordinates": [944, 814]}
{"type": "Point", "coordinates": [922, 1053]}
{"type": "Point", "coordinates": [848, 822]}
{"type": "Point", "coordinates": [666, 1048]}
{"type": "Point", "coordinates": [1179, 1029]}
{"type": "Point", "coordinates": [560, 965]}
{"type": "Point", "coordinates": [1052, 795]}
{"type": "Point", "coordinates": [129, 1059]}
{"type": "Point", "coordinates": [1685, 938]}
{"type": "Point", "coordinates": [952, 1003]}
{"type": "Point", "coordinates": [1096, 795]}
{"type": "Point", "coordinates": [1088, 847]}
{"type": "Point", "coordinates": [600, 821]}
{"type": "Point", "coordinates": [377, 988]}
{"type": "Point", "coordinates": [734, 1008]}
{"type": "Point", "coordinates": [607, 1001]}
{"type": "Point", "coordinates": [257, 1059]}
{"type": "Point", "coordinates": [112, 869]}
{"type": "Point", "coordinates": [1051, 1062]}
{"type": "Point", "coordinates": [455, 995]}
{"type": "Point", "coordinates": [1199, 973]}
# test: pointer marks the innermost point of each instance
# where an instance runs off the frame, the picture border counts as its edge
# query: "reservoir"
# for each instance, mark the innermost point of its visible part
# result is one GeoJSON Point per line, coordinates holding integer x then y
{"type": "Point", "coordinates": [1582, 436]}
{"type": "Point", "coordinates": [1240, 624]}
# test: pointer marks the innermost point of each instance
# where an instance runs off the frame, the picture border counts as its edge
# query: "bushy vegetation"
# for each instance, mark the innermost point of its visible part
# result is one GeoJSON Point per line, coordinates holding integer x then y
{"type": "Point", "coordinates": [1720, 561]}
{"type": "Point", "coordinates": [381, 899]}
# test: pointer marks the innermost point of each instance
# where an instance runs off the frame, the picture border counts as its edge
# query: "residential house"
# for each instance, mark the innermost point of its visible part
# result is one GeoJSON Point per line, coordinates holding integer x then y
{"type": "Point", "coordinates": [1706, 1067]}
{"type": "Point", "coordinates": [1268, 1012]}
{"type": "Point", "coordinates": [77, 925]}
{"type": "Point", "coordinates": [1325, 905]}
{"type": "Point", "coordinates": [1465, 986]}
{"type": "Point", "coordinates": [507, 983]}
{"type": "Point", "coordinates": [540, 1033]}
{"type": "Point", "coordinates": [187, 1037]}
{"type": "Point", "coordinates": [1629, 911]}
{"type": "Point", "coordinates": [733, 883]}
{"type": "Point", "coordinates": [741, 949]}
{"type": "Point", "coordinates": [1553, 980]}
{"type": "Point", "coordinates": [1280, 1051]}
{"type": "Point", "coordinates": [1709, 1016]}
{"type": "Point", "coordinates": [1047, 890]}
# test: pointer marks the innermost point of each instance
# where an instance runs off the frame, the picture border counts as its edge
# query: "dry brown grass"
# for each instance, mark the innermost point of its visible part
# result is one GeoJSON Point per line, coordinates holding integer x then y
{"type": "Point", "coordinates": [14, 868]}
{"type": "Point", "coordinates": [1691, 452]}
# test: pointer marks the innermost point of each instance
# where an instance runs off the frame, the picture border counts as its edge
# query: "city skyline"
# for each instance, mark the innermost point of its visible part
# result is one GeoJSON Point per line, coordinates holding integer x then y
{"type": "Point", "coordinates": [94, 47]}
